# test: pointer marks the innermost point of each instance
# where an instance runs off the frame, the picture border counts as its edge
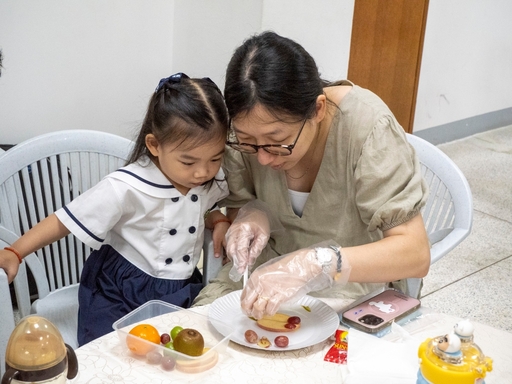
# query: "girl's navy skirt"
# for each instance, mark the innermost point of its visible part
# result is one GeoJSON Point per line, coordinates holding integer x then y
{"type": "Point", "coordinates": [111, 287]}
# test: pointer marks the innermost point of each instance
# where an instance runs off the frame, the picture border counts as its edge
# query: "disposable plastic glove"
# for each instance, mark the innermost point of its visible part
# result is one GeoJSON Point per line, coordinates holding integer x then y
{"type": "Point", "coordinates": [248, 235]}
{"type": "Point", "coordinates": [290, 277]}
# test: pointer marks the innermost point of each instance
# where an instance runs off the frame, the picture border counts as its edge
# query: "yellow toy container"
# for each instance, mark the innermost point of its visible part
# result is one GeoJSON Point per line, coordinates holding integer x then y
{"type": "Point", "coordinates": [453, 358]}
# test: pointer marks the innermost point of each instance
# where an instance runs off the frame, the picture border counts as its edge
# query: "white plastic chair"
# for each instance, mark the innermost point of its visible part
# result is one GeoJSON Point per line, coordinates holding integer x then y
{"type": "Point", "coordinates": [37, 177]}
{"type": "Point", "coordinates": [8, 237]}
{"type": "Point", "coordinates": [211, 264]}
{"type": "Point", "coordinates": [448, 213]}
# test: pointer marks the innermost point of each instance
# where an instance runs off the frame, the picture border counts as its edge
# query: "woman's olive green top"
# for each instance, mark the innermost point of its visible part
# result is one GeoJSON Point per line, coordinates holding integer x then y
{"type": "Point", "coordinates": [369, 181]}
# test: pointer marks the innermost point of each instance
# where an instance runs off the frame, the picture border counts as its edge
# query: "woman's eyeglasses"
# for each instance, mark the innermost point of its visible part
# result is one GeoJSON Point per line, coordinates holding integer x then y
{"type": "Point", "coordinates": [273, 149]}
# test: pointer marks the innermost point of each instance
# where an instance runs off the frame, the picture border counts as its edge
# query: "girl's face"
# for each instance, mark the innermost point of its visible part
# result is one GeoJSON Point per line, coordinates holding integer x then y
{"type": "Point", "coordinates": [187, 168]}
{"type": "Point", "coordinates": [260, 127]}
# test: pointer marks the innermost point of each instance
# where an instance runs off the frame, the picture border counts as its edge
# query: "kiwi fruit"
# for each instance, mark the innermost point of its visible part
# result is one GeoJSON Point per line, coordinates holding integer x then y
{"type": "Point", "coordinates": [189, 342]}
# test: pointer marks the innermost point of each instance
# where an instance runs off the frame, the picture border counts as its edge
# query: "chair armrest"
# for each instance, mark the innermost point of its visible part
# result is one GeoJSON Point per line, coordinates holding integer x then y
{"type": "Point", "coordinates": [7, 314]}
{"type": "Point", "coordinates": [6, 318]}
{"type": "Point", "coordinates": [441, 248]}
{"type": "Point", "coordinates": [211, 264]}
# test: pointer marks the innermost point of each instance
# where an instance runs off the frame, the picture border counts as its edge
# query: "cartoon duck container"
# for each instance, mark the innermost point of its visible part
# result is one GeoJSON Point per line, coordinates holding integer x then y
{"type": "Point", "coordinates": [453, 358]}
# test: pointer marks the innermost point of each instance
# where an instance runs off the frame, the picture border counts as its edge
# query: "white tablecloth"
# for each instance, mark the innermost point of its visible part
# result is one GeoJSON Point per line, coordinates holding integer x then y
{"type": "Point", "coordinates": [105, 361]}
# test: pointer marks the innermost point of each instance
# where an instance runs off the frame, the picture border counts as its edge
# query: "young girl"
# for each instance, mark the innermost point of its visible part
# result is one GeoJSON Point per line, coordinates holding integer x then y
{"type": "Point", "coordinates": [145, 221]}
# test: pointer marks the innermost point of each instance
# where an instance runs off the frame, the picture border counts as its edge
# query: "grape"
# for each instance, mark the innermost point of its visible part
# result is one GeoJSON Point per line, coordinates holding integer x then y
{"type": "Point", "coordinates": [251, 336]}
{"type": "Point", "coordinates": [281, 341]}
{"type": "Point", "coordinates": [165, 338]}
{"type": "Point", "coordinates": [294, 320]}
{"type": "Point", "coordinates": [154, 357]}
{"type": "Point", "coordinates": [290, 326]}
{"type": "Point", "coordinates": [169, 345]}
{"type": "Point", "coordinates": [174, 332]}
{"type": "Point", "coordinates": [168, 363]}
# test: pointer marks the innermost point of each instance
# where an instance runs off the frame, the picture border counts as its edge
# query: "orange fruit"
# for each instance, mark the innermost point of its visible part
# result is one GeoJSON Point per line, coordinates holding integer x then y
{"type": "Point", "coordinates": [142, 332]}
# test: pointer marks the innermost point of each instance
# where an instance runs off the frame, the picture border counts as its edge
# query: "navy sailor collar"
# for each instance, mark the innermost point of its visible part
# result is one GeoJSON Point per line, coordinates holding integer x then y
{"type": "Point", "coordinates": [150, 180]}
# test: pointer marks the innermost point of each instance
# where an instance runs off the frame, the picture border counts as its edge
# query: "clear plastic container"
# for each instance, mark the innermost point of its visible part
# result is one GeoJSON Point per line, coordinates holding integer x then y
{"type": "Point", "coordinates": [164, 316]}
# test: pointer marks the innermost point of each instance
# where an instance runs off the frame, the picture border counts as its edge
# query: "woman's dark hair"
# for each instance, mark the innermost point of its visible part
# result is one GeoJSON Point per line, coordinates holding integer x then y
{"type": "Point", "coordinates": [189, 112]}
{"type": "Point", "coordinates": [275, 72]}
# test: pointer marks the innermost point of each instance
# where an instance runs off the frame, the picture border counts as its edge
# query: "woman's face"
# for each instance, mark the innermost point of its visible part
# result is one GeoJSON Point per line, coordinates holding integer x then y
{"type": "Point", "coordinates": [260, 127]}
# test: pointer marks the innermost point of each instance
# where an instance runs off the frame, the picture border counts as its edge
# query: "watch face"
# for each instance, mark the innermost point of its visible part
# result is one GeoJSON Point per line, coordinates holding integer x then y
{"type": "Point", "coordinates": [324, 255]}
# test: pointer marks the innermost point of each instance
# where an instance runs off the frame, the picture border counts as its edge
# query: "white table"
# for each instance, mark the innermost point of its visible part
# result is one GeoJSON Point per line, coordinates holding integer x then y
{"type": "Point", "coordinates": [105, 361]}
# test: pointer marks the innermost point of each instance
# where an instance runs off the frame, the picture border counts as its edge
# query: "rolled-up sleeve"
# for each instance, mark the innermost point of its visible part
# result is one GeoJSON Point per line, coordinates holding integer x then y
{"type": "Point", "coordinates": [390, 189]}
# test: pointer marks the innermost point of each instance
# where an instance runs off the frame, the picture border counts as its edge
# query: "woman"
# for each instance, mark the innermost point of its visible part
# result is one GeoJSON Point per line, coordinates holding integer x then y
{"type": "Point", "coordinates": [331, 162]}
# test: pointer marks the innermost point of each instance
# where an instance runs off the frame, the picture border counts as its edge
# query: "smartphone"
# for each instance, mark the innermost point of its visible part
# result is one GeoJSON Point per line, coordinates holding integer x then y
{"type": "Point", "coordinates": [379, 311]}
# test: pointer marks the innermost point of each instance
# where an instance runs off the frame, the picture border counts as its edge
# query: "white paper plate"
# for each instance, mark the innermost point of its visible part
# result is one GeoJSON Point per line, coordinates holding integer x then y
{"type": "Point", "coordinates": [316, 326]}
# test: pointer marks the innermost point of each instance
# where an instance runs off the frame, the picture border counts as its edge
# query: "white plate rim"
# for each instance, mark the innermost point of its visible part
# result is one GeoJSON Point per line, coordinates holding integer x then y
{"type": "Point", "coordinates": [317, 325]}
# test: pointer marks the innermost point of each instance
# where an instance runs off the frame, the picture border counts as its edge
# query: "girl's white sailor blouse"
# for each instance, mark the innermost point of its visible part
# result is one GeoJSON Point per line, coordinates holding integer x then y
{"type": "Point", "coordinates": [138, 212]}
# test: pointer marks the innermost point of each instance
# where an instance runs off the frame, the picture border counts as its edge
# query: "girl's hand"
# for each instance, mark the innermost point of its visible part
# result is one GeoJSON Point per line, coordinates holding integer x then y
{"type": "Point", "coordinates": [219, 224]}
{"type": "Point", "coordinates": [9, 263]}
{"type": "Point", "coordinates": [219, 237]}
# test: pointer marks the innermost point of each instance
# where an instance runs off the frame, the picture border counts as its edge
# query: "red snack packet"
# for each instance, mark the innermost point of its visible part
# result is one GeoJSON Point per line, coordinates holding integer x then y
{"type": "Point", "coordinates": [338, 352]}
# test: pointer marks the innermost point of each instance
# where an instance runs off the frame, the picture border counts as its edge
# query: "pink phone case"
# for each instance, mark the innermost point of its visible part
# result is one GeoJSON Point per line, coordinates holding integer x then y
{"type": "Point", "coordinates": [380, 311]}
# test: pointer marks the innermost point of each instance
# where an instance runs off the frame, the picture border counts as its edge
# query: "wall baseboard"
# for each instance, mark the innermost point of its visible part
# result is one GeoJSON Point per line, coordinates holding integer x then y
{"type": "Point", "coordinates": [466, 127]}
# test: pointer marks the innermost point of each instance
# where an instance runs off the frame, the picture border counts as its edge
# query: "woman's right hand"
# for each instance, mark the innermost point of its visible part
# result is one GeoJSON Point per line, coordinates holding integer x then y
{"type": "Point", "coordinates": [9, 263]}
{"type": "Point", "coordinates": [280, 280]}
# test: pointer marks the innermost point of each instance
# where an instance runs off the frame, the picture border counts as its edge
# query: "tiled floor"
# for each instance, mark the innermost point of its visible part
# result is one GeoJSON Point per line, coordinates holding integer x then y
{"type": "Point", "coordinates": [475, 279]}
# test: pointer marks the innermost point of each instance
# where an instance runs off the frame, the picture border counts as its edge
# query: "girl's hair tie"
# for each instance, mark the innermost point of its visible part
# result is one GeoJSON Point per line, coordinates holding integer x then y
{"type": "Point", "coordinates": [176, 79]}
{"type": "Point", "coordinates": [173, 79]}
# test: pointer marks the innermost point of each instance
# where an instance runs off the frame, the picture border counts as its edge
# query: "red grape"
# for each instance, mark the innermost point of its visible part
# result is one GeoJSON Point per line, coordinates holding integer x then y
{"type": "Point", "coordinates": [168, 363]}
{"type": "Point", "coordinates": [165, 338]}
{"type": "Point", "coordinates": [154, 357]}
{"type": "Point", "coordinates": [251, 336]}
{"type": "Point", "coordinates": [281, 341]}
{"type": "Point", "coordinates": [294, 320]}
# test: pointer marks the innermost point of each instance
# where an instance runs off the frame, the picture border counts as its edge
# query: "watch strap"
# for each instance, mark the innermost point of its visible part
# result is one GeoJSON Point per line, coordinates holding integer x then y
{"type": "Point", "coordinates": [338, 261]}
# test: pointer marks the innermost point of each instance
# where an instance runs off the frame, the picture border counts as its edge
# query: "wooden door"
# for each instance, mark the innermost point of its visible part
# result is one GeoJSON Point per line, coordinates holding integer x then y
{"type": "Point", "coordinates": [385, 52]}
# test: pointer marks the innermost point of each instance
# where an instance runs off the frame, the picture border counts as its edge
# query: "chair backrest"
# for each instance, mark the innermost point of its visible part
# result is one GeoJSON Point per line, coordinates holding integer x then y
{"type": "Point", "coordinates": [448, 214]}
{"type": "Point", "coordinates": [42, 174]}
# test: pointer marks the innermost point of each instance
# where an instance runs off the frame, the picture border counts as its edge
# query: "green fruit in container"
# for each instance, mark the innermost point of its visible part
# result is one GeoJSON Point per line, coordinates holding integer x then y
{"type": "Point", "coordinates": [174, 332]}
{"type": "Point", "coordinates": [189, 342]}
